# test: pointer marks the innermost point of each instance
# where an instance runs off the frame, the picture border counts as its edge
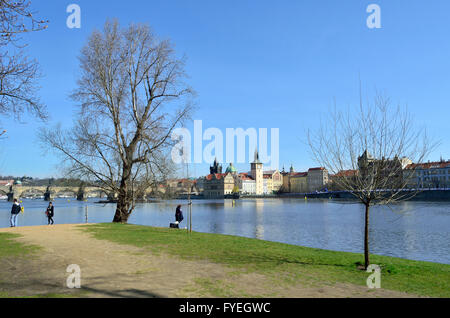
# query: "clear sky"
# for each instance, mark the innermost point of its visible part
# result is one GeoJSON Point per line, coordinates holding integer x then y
{"type": "Point", "coordinates": [261, 64]}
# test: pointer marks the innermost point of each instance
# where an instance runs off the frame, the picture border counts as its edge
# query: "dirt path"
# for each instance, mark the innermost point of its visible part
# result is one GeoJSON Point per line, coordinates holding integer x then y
{"type": "Point", "coordinates": [112, 270]}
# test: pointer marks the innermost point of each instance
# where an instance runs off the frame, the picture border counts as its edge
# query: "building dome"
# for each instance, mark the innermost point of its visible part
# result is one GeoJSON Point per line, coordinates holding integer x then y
{"type": "Point", "coordinates": [231, 169]}
{"type": "Point", "coordinates": [17, 182]}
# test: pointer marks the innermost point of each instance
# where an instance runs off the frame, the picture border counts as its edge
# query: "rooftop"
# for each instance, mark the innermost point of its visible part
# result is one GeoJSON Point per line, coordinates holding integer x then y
{"type": "Point", "coordinates": [299, 174]}
{"type": "Point", "coordinates": [346, 173]}
{"type": "Point", "coordinates": [429, 165]}
{"type": "Point", "coordinates": [317, 169]}
{"type": "Point", "coordinates": [246, 178]}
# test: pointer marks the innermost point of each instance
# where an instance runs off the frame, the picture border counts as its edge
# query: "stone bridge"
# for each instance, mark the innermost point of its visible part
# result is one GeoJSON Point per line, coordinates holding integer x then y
{"type": "Point", "coordinates": [50, 192]}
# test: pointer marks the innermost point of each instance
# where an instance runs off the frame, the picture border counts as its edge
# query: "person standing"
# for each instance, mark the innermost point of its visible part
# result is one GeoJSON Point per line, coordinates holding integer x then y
{"type": "Point", "coordinates": [15, 210]}
{"type": "Point", "coordinates": [50, 213]}
{"type": "Point", "coordinates": [179, 214]}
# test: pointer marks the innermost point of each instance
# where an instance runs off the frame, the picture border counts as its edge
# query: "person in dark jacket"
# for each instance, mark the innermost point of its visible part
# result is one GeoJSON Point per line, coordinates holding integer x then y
{"type": "Point", "coordinates": [15, 210]}
{"type": "Point", "coordinates": [50, 213]}
{"type": "Point", "coordinates": [179, 214]}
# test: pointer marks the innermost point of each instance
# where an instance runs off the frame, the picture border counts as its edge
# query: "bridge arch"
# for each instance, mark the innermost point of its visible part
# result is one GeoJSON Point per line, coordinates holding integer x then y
{"type": "Point", "coordinates": [29, 192]}
{"type": "Point", "coordinates": [99, 193]}
{"type": "Point", "coordinates": [72, 192]}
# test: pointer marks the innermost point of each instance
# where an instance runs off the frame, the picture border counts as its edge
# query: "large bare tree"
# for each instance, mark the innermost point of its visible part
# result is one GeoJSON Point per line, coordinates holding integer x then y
{"type": "Point", "coordinates": [366, 149]}
{"type": "Point", "coordinates": [132, 95]}
{"type": "Point", "coordinates": [18, 73]}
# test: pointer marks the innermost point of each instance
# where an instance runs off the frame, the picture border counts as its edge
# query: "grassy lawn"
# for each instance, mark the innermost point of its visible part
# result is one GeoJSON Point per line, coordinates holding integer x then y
{"type": "Point", "coordinates": [283, 262]}
{"type": "Point", "coordinates": [49, 295]}
{"type": "Point", "coordinates": [11, 248]}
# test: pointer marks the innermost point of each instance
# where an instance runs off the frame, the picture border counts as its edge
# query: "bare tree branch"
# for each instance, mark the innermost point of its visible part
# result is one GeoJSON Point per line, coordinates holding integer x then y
{"type": "Point", "coordinates": [132, 95]}
{"type": "Point", "coordinates": [18, 74]}
{"type": "Point", "coordinates": [366, 151]}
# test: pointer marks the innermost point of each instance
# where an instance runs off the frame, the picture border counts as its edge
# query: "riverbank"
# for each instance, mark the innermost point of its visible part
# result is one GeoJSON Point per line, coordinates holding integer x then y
{"type": "Point", "coordinates": [425, 195]}
{"type": "Point", "coordinates": [137, 261]}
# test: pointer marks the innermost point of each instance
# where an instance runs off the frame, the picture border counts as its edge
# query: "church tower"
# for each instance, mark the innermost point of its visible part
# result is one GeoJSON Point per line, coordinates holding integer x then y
{"type": "Point", "coordinates": [257, 174]}
{"type": "Point", "coordinates": [215, 168]}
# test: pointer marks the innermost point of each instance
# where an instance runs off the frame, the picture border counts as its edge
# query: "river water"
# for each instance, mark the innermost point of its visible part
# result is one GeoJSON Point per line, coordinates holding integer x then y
{"type": "Point", "coordinates": [412, 230]}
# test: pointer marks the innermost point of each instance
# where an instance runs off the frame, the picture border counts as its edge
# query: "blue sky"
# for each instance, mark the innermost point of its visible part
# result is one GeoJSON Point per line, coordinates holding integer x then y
{"type": "Point", "coordinates": [261, 64]}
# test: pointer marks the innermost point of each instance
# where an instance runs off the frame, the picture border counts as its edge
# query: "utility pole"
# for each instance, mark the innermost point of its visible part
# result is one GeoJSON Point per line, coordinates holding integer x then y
{"type": "Point", "coordinates": [190, 208]}
{"type": "Point", "coordinates": [189, 229]}
{"type": "Point", "coordinates": [189, 198]}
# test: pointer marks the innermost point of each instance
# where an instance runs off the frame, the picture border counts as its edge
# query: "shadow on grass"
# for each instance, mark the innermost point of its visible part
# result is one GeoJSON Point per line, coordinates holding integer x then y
{"type": "Point", "coordinates": [123, 293]}
{"type": "Point", "coordinates": [38, 288]}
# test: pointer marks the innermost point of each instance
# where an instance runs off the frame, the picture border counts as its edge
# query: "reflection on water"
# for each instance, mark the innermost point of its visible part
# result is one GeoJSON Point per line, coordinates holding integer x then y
{"type": "Point", "coordinates": [414, 230]}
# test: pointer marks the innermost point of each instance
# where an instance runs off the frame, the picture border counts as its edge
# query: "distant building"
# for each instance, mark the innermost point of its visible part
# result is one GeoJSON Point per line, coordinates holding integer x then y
{"type": "Point", "coordinates": [317, 179]}
{"type": "Point", "coordinates": [299, 182]}
{"type": "Point", "coordinates": [338, 184]}
{"type": "Point", "coordinates": [6, 183]}
{"type": "Point", "coordinates": [179, 186]}
{"type": "Point", "coordinates": [294, 182]}
{"type": "Point", "coordinates": [389, 172]}
{"type": "Point", "coordinates": [218, 185]}
{"type": "Point", "coordinates": [255, 182]}
{"type": "Point", "coordinates": [273, 180]}
{"type": "Point", "coordinates": [200, 184]}
{"type": "Point", "coordinates": [215, 168]}
{"type": "Point", "coordinates": [285, 181]}
{"type": "Point", "coordinates": [257, 174]}
{"type": "Point", "coordinates": [428, 175]}
{"type": "Point", "coordinates": [246, 184]}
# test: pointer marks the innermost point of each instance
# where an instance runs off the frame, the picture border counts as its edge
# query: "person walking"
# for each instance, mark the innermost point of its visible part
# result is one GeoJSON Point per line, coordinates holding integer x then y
{"type": "Point", "coordinates": [50, 213]}
{"type": "Point", "coordinates": [179, 214]}
{"type": "Point", "coordinates": [15, 210]}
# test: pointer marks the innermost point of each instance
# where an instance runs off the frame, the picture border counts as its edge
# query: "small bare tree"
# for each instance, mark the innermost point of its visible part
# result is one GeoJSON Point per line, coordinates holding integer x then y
{"type": "Point", "coordinates": [366, 150]}
{"type": "Point", "coordinates": [132, 95]}
{"type": "Point", "coordinates": [18, 74]}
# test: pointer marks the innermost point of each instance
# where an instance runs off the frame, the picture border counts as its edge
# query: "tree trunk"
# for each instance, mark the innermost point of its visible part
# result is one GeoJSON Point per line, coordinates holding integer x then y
{"type": "Point", "coordinates": [122, 209]}
{"type": "Point", "coordinates": [366, 238]}
{"type": "Point", "coordinates": [124, 199]}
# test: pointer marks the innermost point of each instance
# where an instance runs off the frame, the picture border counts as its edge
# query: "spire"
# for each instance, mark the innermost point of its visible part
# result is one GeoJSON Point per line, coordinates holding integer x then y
{"type": "Point", "coordinates": [256, 157]}
{"type": "Point", "coordinates": [366, 155]}
{"type": "Point", "coordinates": [215, 168]}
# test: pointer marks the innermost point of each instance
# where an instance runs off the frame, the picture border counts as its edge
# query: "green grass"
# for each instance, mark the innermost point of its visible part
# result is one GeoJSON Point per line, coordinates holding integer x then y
{"type": "Point", "coordinates": [49, 295]}
{"type": "Point", "coordinates": [284, 263]}
{"type": "Point", "coordinates": [215, 287]}
{"type": "Point", "coordinates": [11, 248]}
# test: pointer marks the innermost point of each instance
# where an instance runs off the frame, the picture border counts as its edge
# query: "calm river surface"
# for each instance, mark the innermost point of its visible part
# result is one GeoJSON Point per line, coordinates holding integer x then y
{"type": "Point", "coordinates": [413, 230]}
